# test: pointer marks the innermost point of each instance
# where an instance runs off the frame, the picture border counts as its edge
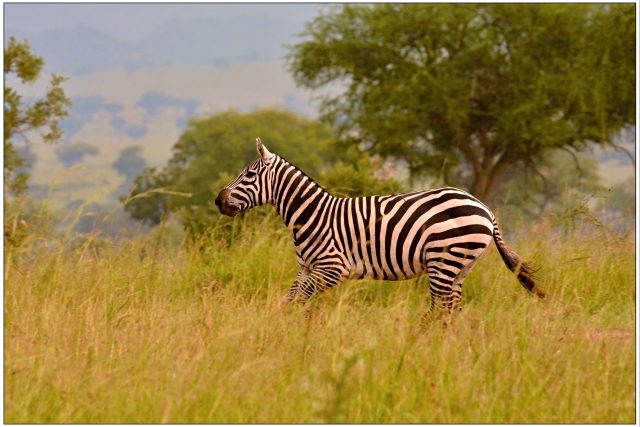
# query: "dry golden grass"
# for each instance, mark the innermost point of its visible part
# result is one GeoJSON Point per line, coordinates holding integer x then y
{"type": "Point", "coordinates": [145, 331]}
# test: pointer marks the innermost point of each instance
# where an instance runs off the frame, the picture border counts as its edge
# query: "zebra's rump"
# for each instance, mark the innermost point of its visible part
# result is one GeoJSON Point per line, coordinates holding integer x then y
{"type": "Point", "coordinates": [402, 236]}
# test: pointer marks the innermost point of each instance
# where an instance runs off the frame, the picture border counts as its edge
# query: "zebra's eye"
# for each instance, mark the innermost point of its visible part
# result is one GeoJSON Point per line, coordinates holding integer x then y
{"type": "Point", "coordinates": [250, 174]}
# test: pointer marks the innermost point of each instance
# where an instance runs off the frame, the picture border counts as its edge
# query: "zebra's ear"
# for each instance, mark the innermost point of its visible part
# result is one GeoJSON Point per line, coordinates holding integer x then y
{"type": "Point", "coordinates": [264, 153]}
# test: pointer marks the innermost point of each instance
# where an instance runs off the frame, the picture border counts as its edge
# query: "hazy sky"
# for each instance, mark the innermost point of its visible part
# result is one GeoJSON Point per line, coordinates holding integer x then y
{"type": "Point", "coordinates": [130, 22]}
{"type": "Point", "coordinates": [138, 72]}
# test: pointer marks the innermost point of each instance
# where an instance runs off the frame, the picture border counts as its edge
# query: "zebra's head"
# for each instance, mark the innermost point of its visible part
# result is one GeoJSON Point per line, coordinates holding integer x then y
{"type": "Point", "coordinates": [251, 188]}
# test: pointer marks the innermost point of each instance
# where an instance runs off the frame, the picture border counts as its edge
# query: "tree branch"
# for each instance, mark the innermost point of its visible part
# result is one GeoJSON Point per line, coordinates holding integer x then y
{"type": "Point", "coordinates": [507, 160]}
{"type": "Point", "coordinates": [620, 148]}
{"type": "Point", "coordinates": [575, 161]}
{"type": "Point", "coordinates": [546, 193]}
{"type": "Point", "coordinates": [468, 153]}
{"type": "Point", "coordinates": [488, 149]}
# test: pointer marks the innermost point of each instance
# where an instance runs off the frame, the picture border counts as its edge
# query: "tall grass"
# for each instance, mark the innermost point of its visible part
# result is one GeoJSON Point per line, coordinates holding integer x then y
{"type": "Point", "coordinates": [145, 331]}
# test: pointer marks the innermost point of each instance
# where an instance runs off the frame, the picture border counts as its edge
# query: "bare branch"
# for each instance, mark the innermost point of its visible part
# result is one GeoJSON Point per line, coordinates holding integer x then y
{"type": "Point", "coordinates": [620, 148]}
{"type": "Point", "coordinates": [468, 152]}
{"type": "Point", "coordinates": [575, 161]}
{"type": "Point", "coordinates": [502, 165]}
{"type": "Point", "coordinates": [547, 195]}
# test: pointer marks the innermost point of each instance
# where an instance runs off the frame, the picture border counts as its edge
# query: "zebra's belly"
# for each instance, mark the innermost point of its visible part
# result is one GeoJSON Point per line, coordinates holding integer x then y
{"type": "Point", "coordinates": [391, 277]}
{"type": "Point", "coordinates": [385, 270]}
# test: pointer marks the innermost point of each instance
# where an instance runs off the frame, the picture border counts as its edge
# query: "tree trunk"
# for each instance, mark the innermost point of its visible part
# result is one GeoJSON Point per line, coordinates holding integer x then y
{"type": "Point", "coordinates": [487, 179]}
{"type": "Point", "coordinates": [487, 172]}
{"type": "Point", "coordinates": [480, 187]}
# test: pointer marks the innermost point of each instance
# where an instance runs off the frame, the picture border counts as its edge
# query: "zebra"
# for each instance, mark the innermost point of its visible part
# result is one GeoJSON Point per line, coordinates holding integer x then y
{"type": "Point", "coordinates": [440, 232]}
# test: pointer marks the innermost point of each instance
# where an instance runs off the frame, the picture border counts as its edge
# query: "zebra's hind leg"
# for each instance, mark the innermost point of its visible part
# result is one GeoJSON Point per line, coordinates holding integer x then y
{"type": "Point", "coordinates": [445, 283]}
{"type": "Point", "coordinates": [456, 286]}
{"type": "Point", "coordinates": [442, 304]}
{"type": "Point", "coordinates": [443, 298]}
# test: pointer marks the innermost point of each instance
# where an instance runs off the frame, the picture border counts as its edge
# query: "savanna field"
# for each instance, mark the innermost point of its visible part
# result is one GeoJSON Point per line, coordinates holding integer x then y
{"type": "Point", "coordinates": [157, 329]}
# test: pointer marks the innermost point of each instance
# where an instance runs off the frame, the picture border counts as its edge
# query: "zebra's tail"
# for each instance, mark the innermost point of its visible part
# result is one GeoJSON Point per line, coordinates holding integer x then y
{"type": "Point", "coordinates": [512, 260]}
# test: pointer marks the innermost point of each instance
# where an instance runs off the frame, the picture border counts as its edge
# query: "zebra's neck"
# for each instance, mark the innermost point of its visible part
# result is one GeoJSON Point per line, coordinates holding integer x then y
{"type": "Point", "coordinates": [295, 195]}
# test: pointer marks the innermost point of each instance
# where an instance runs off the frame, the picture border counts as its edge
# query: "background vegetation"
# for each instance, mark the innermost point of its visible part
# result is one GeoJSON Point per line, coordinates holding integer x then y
{"type": "Point", "coordinates": [21, 120]}
{"type": "Point", "coordinates": [467, 93]}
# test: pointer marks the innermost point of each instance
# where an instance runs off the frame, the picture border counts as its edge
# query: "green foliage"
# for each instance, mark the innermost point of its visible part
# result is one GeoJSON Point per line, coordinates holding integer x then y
{"type": "Point", "coordinates": [357, 174]}
{"type": "Point", "coordinates": [612, 39]}
{"type": "Point", "coordinates": [21, 120]}
{"type": "Point", "coordinates": [70, 154]}
{"type": "Point", "coordinates": [148, 206]}
{"type": "Point", "coordinates": [221, 145]}
{"type": "Point", "coordinates": [466, 93]}
{"type": "Point", "coordinates": [28, 157]}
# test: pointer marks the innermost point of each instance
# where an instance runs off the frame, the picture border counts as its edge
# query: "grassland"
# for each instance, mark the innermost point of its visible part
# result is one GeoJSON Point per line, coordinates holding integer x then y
{"type": "Point", "coordinates": [148, 331]}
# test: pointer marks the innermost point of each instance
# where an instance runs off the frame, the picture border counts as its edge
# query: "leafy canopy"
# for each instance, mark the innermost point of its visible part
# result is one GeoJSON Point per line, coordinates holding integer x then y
{"type": "Point", "coordinates": [41, 117]}
{"type": "Point", "coordinates": [466, 93]}
{"type": "Point", "coordinates": [358, 174]}
{"type": "Point", "coordinates": [214, 149]}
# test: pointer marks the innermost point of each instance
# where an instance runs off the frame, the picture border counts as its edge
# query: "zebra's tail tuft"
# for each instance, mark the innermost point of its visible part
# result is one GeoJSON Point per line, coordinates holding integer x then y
{"type": "Point", "coordinates": [512, 260]}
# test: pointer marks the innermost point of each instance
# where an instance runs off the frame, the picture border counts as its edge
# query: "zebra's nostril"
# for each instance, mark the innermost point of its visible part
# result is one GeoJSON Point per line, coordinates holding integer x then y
{"type": "Point", "coordinates": [222, 204]}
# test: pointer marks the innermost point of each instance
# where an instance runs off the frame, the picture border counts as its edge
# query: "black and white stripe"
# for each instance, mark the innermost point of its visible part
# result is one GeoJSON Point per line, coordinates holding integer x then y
{"type": "Point", "coordinates": [440, 232]}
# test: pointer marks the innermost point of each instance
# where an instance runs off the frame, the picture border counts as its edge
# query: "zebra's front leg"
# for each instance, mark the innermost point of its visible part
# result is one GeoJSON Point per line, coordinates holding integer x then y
{"type": "Point", "coordinates": [319, 279]}
{"type": "Point", "coordinates": [302, 275]}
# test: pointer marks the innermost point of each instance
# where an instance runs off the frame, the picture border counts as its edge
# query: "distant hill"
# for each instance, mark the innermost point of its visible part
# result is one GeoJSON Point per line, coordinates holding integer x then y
{"type": "Point", "coordinates": [202, 41]}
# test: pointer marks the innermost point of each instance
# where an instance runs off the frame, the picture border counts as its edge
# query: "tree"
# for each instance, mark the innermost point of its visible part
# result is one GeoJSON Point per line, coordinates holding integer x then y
{"type": "Point", "coordinates": [144, 201]}
{"type": "Point", "coordinates": [28, 159]}
{"type": "Point", "coordinates": [357, 174]}
{"type": "Point", "coordinates": [467, 93]}
{"type": "Point", "coordinates": [21, 120]}
{"type": "Point", "coordinates": [213, 149]}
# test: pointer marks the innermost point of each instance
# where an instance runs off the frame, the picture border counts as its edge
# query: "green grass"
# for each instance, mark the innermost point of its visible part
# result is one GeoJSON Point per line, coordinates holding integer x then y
{"type": "Point", "coordinates": [144, 331]}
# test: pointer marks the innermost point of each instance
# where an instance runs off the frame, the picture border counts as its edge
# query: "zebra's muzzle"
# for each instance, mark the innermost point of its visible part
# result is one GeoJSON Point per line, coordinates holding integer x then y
{"type": "Point", "coordinates": [223, 204]}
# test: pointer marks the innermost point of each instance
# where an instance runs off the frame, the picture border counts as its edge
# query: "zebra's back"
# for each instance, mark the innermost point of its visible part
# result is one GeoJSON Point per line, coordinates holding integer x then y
{"type": "Point", "coordinates": [402, 236]}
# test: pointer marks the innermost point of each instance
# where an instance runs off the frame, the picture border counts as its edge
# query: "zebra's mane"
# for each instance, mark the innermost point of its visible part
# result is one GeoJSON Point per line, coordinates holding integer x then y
{"type": "Point", "coordinates": [309, 178]}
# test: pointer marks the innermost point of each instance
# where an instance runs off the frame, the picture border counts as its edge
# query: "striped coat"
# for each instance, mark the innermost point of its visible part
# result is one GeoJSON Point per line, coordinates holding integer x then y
{"type": "Point", "coordinates": [440, 233]}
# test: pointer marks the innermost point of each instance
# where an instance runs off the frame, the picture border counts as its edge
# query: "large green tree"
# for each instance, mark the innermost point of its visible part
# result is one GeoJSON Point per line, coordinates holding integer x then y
{"type": "Point", "coordinates": [23, 121]}
{"type": "Point", "coordinates": [466, 93]}
{"type": "Point", "coordinates": [213, 149]}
